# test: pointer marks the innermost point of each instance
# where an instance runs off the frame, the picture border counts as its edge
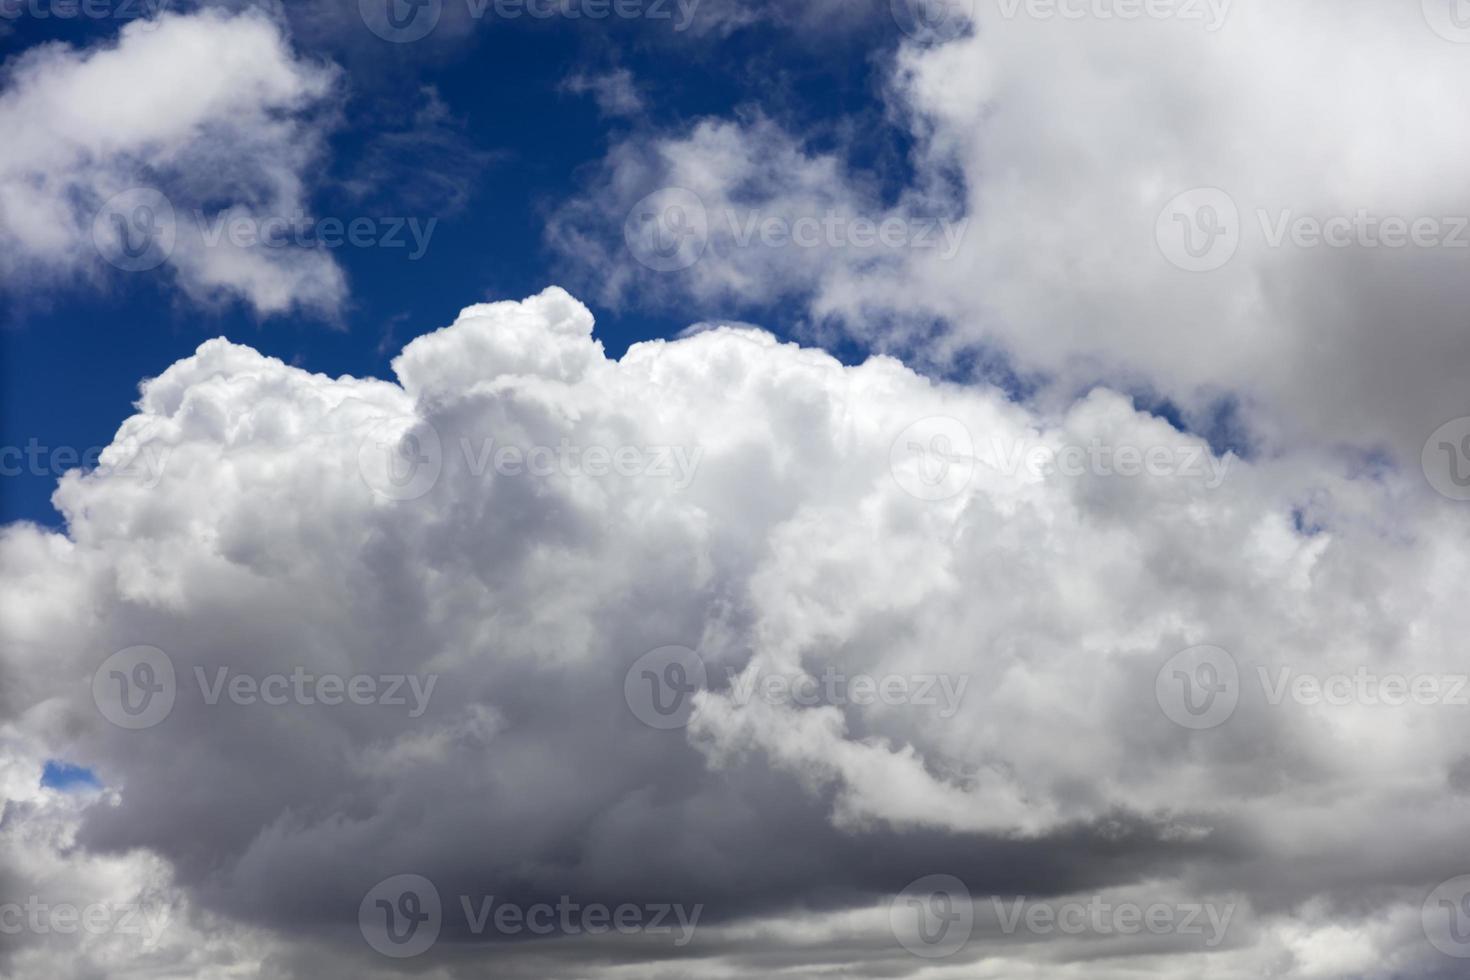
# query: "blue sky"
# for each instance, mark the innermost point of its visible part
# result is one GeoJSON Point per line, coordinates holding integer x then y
{"type": "Point", "coordinates": [518, 142]}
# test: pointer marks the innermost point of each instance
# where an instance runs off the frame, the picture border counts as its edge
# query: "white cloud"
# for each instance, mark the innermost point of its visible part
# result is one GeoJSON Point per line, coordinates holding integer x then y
{"type": "Point", "coordinates": [267, 545]}
{"type": "Point", "coordinates": [614, 92]}
{"type": "Point", "coordinates": [177, 115]}
{"type": "Point", "coordinates": [1058, 133]}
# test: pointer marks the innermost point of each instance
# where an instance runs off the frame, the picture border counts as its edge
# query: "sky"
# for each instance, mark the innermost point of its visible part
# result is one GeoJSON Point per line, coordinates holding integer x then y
{"type": "Point", "coordinates": [734, 488]}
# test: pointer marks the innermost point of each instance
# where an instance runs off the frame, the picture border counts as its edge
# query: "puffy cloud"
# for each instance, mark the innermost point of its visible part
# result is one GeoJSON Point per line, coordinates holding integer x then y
{"type": "Point", "coordinates": [134, 152]}
{"type": "Point", "coordinates": [1329, 309]}
{"type": "Point", "coordinates": [938, 629]}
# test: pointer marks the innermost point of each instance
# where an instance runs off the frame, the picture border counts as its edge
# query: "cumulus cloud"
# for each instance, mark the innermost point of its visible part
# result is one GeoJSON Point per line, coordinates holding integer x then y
{"type": "Point", "coordinates": [793, 525]}
{"type": "Point", "coordinates": [1330, 308]}
{"type": "Point", "coordinates": [135, 153]}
